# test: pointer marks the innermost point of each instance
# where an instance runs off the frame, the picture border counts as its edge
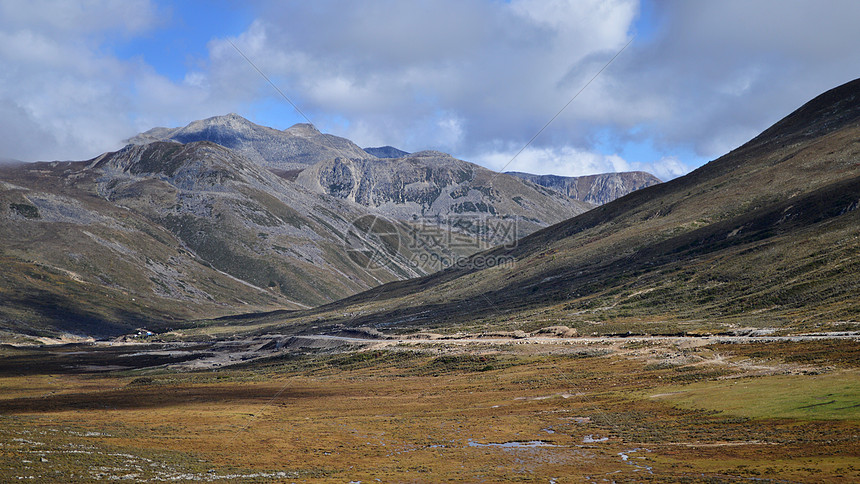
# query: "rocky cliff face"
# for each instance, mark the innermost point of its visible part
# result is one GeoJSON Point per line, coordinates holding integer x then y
{"type": "Point", "coordinates": [595, 189]}
{"type": "Point", "coordinates": [249, 222]}
{"type": "Point", "coordinates": [431, 184]}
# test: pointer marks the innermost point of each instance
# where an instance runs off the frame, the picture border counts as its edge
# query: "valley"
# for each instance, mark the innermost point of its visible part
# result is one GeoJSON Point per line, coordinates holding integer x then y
{"type": "Point", "coordinates": [683, 409]}
{"type": "Point", "coordinates": [226, 302]}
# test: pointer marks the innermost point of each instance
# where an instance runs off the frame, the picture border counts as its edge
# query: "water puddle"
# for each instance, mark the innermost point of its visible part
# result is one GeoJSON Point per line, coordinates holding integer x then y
{"type": "Point", "coordinates": [625, 457]}
{"type": "Point", "coordinates": [590, 439]}
{"type": "Point", "coordinates": [531, 444]}
{"type": "Point", "coordinates": [554, 395]}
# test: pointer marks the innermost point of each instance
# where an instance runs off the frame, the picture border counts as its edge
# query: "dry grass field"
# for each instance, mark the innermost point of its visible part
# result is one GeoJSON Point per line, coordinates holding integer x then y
{"type": "Point", "coordinates": [608, 410]}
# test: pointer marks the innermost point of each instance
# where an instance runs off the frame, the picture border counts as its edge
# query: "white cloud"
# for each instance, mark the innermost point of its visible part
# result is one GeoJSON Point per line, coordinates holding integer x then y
{"type": "Point", "coordinates": [564, 161]}
{"type": "Point", "coordinates": [62, 97]}
{"type": "Point", "coordinates": [665, 169]}
{"type": "Point", "coordinates": [477, 79]}
{"type": "Point", "coordinates": [497, 69]}
{"type": "Point", "coordinates": [56, 91]}
{"type": "Point", "coordinates": [571, 161]}
{"type": "Point", "coordinates": [721, 72]}
{"type": "Point", "coordinates": [65, 95]}
{"type": "Point", "coordinates": [62, 18]}
{"type": "Point", "coordinates": [712, 77]}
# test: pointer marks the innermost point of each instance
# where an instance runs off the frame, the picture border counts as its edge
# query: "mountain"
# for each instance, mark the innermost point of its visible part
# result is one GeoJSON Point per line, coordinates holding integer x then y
{"type": "Point", "coordinates": [386, 152]}
{"type": "Point", "coordinates": [163, 232]}
{"type": "Point", "coordinates": [434, 185]}
{"type": "Point", "coordinates": [594, 189]}
{"type": "Point", "coordinates": [767, 236]}
{"type": "Point", "coordinates": [74, 262]}
{"type": "Point", "coordinates": [292, 148]}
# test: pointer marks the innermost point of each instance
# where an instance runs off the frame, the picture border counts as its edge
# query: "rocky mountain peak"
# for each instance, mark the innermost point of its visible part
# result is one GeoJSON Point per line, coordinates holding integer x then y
{"type": "Point", "coordinates": [293, 148]}
{"type": "Point", "coordinates": [305, 130]}
{"type": "Point", "coordinates": [227, 122]}
{"type": "Point", "coordinates": [231, 120]}
{"type": "Point", "coordinates": [387, 152]}
{"type": "Point", "coordinates": [226, 118]}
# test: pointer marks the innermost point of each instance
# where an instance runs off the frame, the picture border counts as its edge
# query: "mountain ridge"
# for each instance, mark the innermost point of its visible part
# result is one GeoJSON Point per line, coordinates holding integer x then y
{"type": "Point", "coordinates": [408, 188]}
{"type": "Point", "coordinates": [595, 189]}
{"type": "Point", "coordinates": [294, 147]}
{"type": "Point", "coordinates": [166, 232]}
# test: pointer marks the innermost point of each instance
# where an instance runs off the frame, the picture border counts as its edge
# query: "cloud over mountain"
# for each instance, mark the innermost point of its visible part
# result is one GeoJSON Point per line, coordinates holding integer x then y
{"type": "Point", "coordinates": [477, 79]}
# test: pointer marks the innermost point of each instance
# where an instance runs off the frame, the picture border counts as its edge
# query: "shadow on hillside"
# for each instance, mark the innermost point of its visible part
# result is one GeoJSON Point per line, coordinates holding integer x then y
{"type": "Point", "coordinates": [68, 315]}
{"type": "Point", "coordinates": [136, 397]}
{"type": "Point", "coordinates": [85, 358]}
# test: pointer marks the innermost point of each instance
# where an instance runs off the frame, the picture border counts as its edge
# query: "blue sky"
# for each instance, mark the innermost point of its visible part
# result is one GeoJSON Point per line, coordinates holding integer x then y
{"type": "Point", "coordinates": [179, 41]}
{"type": "Point", "coordinates": [473, 78]}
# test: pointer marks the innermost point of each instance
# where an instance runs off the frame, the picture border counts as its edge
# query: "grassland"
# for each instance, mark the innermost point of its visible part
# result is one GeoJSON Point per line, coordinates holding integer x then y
{"type": "Point", "coordinates": [610, 409]}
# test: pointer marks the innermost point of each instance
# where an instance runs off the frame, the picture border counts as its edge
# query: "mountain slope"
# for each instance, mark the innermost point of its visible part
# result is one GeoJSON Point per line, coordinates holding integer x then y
{"type": "Point", "coordinates": [73, 262]}
{"type": "Point", "coordinates": [157, 233]}
{"type": "Point", "coordinates": [594, 189]}
{"type": "Point", "coordinates": [767, 235]}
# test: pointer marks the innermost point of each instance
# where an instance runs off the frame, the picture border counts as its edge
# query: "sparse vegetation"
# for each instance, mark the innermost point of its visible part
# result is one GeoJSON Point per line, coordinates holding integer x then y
{"type": "Point", "coordinates": [25, 210]}
{"type": "Point", "coordinates": [412, 414]}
